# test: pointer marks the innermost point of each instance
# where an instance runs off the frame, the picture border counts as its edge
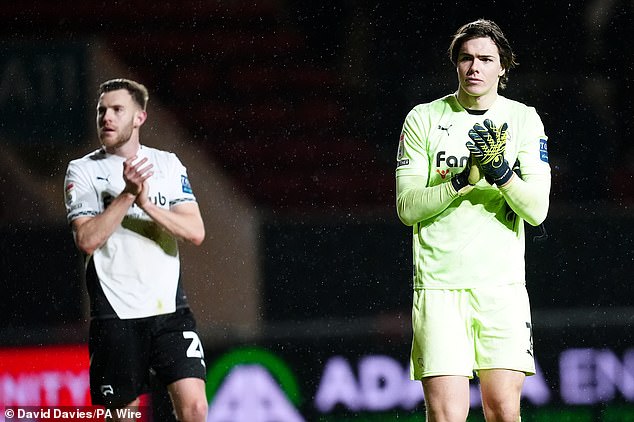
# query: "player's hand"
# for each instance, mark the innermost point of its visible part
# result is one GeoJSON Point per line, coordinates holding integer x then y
{"type": "Point", "coordinates": [487, 146]}
{"type": "Point", "coordinates": [135, 175]}
{"type": "Point", "coordinates": [464, 181]}
{"type": "Point", "coordinates": [143, 197]}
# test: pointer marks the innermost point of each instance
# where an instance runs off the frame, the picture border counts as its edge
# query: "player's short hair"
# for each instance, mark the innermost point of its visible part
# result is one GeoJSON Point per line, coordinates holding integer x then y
{"type": "Point", "coordinates": [482, 28]}
{"type": "Point", "coordinates": [138, 91]}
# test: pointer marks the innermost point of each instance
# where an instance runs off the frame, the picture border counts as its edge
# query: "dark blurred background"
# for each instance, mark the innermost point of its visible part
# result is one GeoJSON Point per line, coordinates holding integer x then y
{"type": "Point", "coordinates": [292, 111]}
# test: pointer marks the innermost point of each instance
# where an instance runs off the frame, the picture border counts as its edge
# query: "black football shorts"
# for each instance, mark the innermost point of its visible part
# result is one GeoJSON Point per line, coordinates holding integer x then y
{"type": "Point", "coordinates": [124, 352]}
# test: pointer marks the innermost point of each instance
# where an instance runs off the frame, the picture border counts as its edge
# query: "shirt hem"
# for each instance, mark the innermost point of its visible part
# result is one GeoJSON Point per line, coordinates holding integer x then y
{"type": "Point", "coordinates": [467, 286]}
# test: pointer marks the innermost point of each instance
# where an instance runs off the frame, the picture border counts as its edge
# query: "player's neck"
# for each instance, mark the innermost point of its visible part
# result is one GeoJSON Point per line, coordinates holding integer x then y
{"type": "Point", "coordinates": [471, 102]}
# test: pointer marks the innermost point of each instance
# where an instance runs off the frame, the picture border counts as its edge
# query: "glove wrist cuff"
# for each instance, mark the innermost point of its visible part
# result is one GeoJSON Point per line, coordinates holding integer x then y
{"type": "Point", "coordinates": [505, 175]}
{"type": "Point", "coordinates": [460, 183]}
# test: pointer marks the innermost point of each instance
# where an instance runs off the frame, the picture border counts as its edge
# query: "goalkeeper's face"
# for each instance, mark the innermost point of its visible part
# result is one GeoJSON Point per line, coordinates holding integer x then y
{"type": "Point", "coordinates": [479, 70]}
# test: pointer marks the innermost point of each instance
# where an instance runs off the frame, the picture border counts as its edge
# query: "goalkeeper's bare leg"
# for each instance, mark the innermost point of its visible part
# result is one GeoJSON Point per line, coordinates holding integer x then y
{"type": "Point", "coordinates": [446, 398]}
{"type": "Point", "coordinates": [501, 390]}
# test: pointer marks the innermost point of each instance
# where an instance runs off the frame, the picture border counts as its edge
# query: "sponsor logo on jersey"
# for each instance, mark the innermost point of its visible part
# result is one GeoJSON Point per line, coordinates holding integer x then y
{"type": "Point", "coordinates": [446, 163]}
{"type": "Point", "coordinates": [543, 150]}
{"type": "Point", "coordinates": [187, 188]}
{"type": "Point", "coordinates": [159, 199]}
{"type": "Point", "coordinates": [450, 160]}
{"type": "Point", "coordinates": [443, 173]}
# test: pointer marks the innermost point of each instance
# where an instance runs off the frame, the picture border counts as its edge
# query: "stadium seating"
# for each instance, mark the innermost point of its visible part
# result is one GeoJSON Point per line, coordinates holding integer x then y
{"type": "Point", "coordinates": [245, 81]}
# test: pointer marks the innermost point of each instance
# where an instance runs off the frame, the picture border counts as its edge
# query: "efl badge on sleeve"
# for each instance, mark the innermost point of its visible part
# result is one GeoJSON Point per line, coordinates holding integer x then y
{"type": "Point", "coordinates": [187, 188]}
{"type": "Point", "coordinates": [543, 149]}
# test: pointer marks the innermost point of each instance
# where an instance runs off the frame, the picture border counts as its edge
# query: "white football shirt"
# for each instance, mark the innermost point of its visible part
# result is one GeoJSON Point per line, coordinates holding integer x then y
{"type": "Point", "coordinates": [136, 272]}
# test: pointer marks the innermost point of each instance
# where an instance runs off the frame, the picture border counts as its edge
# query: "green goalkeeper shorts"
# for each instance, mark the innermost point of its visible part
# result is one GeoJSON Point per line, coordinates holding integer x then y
{"type": "Point", "coordinates": [457, 332]}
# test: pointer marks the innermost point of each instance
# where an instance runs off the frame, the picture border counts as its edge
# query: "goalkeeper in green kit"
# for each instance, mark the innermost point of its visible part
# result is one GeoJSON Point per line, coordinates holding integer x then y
{"type": "Point", "coordinates": [457, 189]}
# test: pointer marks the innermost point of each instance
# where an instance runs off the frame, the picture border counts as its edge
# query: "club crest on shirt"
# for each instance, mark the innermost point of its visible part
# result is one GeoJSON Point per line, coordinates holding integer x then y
{"type": "Point", "coordinates": [187, 188]}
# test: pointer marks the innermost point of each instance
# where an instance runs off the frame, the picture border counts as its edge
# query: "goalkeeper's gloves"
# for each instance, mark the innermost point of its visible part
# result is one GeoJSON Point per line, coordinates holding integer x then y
{"type": "Point", "coordinates": [487, 145]}
{"type": "Point", "coordinates": [464, 181]}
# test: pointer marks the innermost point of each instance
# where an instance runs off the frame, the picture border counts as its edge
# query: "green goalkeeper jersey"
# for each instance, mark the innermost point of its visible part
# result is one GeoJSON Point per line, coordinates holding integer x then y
{"type": "Point", "coordinates": [477, 239]}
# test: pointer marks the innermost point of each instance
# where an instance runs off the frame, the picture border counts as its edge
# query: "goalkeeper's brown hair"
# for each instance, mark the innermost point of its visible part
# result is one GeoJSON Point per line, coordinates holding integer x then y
{"type": "Point", "coordinates": [482, 28]}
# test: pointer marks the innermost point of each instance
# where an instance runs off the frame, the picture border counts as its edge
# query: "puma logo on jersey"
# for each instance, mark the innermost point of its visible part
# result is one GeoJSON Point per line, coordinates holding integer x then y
{"type": "Point", "coordinates": [446, 129]}
{"type": "Point", "coordinates": [105, 179]}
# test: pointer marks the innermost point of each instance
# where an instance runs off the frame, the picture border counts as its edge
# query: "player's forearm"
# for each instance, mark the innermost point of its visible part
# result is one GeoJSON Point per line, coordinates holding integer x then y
{"type": "Point", "coordinates": [528, 197]}
{"type": "Point", "coordinates": [184, 223]}
{"type": "Point", "coordinates": [415, 202]}
{"type": "Point", "coordinates": [92, 232]}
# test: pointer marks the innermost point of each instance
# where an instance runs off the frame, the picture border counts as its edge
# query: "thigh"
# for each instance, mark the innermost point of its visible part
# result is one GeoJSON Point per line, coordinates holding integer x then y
{"type": "Point", "coordinates": [501, 392]}
{"type": "Point", "coordinates": [119, 361]}
{"type": "Point", "coordinates": [442, 335]}
{"type": "Point", "coordinates": [177, 350]}
{"type": "Point", "coordinates": [503, 330]}
{"type": "Point", "coordinates": [446, 398]}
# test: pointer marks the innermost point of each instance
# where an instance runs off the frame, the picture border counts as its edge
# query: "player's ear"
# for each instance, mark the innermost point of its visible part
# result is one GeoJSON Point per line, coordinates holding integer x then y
{"type": "Point", "coordinates": [139, 118]}
{"type": "Point", "coordinates": [502, 72]}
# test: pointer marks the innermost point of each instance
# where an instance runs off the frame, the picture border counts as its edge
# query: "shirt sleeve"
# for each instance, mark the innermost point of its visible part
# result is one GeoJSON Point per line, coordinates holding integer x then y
{"type": "Point", "coordinates": [80, 197]}
{"type": "Point", "coordinates": [528, 195]}
{"type": "Point", "coordinates": [415, 199]}
{"type": "Point", "coordinates": [415, 202]}
{"type": "Point", "coordinates": [180, 187]}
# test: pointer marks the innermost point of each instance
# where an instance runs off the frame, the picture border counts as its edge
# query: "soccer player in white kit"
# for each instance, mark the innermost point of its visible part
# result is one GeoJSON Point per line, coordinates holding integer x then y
{"type": "Point", "coordinates": [128, 205]}
{"type": "Point", "coordinates": [456, 187]}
